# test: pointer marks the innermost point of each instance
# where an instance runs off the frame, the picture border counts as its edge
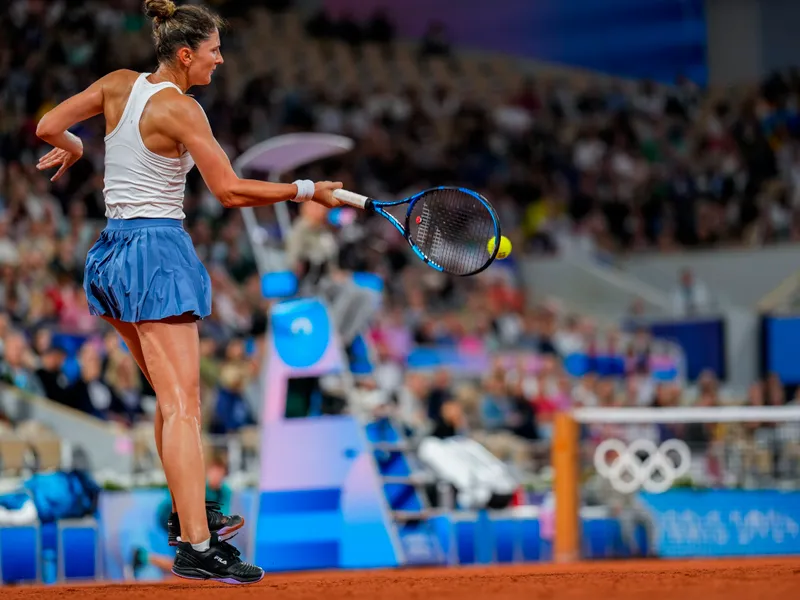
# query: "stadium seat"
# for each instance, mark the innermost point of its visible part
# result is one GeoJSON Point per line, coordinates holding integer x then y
{"type": "Point", "coordinates": [250, 437]}
{"type": "Point", "coordinates": [30, 428]}
{"type": "Point", "coordinates": [47, 450]}
{"type": "Point", "coordinates": [369, 281]}
{"type": "Point", "coordinates": [44, 443]}
{"type": "Point", "coordinates": [360, 362]}
{"type": "Point", "coordinates": [280, 284]}
{"type": "Point", "coordinates": [13, 451]}
{"type": "Point", "coordinates": [292, 25]}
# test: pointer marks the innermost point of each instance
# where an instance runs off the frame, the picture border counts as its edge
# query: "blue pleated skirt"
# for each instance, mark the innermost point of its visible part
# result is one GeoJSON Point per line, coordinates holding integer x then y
{"type": "Point", "coordinates": [146, 270]}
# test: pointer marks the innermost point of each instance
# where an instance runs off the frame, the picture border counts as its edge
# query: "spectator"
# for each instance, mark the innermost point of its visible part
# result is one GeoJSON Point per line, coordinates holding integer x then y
{"type": "Point", "coordinates": [90, 393]}
{"type": "Point", "coordinates": [451, 421]}
{"type": "Point", "coordinates": [8, 250]}
{"type": "Point", "coordinates": [691, 297]}
{"type": "Point", "coordinates": [18, 365]}
{"type": "Point", "coordinates": [217, 488]}
{"type": "Point", "coordinates": [411, 409]}
{"type": "Point", "coordinates": [5, 421]}
{"type": "Point", "coordinates": [368, 401]}
{"type": "Point", "coordinates": [440, 392]}
{"type": "Point", "coordinates": [530, 338]}
{"type": "Point", "coordinates": [435, 42]}
{"type": "Point", "coordinates": [320, 25]}
{"type": "Point", "coordinates": [522, 414]}
{"type": "Point", "coordinates": [706, 391]}
{"type": "Point", "coordinates": [585, 392]}
{"type": "Point", "coordinates": [641, 387]}
{"type": "Point", "coordinates": [232, 412]}
{"type": "Point", "coordinates": [42, 342]}
{"type": "Point", "coordinates": [66, 262]}
{"type": "Point", "coordinates": [495, 406]}
{"type": "Point", "coordinates": [348, 30]}
{"type": "Point", "coordinates": [379, 28]}
{"type": "Point", "coordinates": [122, 377]}
{"type": "Point", "coordinates": [775, 392]}
{"type": "Point", "coordinates": [568, 339]}
{"type": "Point", "coordinates": [50, 373]}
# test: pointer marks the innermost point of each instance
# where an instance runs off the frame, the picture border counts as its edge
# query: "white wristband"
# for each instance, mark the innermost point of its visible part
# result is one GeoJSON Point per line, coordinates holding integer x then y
{"type": "Point", "coordinates": [305, 190]}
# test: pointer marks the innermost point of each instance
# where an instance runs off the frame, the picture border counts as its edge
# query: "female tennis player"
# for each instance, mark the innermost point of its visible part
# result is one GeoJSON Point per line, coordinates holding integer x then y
{"type": "Point", "coordinates": [143, 275]}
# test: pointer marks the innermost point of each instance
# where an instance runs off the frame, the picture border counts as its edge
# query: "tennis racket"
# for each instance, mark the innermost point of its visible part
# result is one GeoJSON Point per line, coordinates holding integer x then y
{"type": "Point", "coordinates": [449, 228]}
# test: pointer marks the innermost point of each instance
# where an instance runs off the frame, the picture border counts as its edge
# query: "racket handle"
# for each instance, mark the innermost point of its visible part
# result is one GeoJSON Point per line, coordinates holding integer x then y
{"type": "Point", "coordinates": [351, 198]}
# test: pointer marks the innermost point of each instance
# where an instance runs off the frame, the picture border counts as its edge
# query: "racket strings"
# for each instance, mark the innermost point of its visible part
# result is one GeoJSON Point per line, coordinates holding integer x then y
{"type": "Point", "coordinates": [452, 229]}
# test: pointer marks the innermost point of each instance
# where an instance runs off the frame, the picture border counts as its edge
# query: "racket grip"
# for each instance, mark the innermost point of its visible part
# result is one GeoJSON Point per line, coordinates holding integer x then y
{"type": "Point", "coordinates": [351, 198]}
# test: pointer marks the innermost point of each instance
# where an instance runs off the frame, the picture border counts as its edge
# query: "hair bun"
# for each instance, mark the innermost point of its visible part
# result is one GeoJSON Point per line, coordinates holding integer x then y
{"type": "Point", "coordinates": [159, 10]}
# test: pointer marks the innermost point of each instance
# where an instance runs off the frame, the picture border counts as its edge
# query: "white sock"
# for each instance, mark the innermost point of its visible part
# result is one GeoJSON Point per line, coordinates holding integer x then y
{"type": "Point", "coordinates": [202, 546]}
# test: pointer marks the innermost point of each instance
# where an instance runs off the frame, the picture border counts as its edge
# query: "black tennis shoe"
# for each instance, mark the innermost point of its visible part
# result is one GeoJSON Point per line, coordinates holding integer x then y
{"type": "Point", "coordinates": [222, 525]}
{"type": "Point", "coordinates": [220, 562]}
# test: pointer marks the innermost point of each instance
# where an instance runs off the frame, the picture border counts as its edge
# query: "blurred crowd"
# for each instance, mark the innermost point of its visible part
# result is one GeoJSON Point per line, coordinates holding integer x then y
{"type": "Point", "coordinates": [511, 408]}
{"type": "Point", "coordinates": [608, 165]}
{"type": "Point", "coordinates": [615, 165]}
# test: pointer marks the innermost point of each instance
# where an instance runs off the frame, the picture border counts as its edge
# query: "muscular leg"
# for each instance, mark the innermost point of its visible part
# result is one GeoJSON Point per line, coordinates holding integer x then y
{"type": "Point", "coordinates": [171, 351]}
{"type": "Point", "coordinates": [128, 333]}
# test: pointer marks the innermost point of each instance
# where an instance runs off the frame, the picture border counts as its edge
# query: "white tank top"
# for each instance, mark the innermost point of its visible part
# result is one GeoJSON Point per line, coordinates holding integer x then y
{"type": "Point", "coordinates": [138, 182]}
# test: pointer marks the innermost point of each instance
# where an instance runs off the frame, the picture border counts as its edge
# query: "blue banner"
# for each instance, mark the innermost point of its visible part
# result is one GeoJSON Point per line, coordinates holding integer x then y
{"type": "Point", "coordinates": [781, 344]}
{"type": "Point", "coordinates": [652, 39]}
{"type": "Point", "coordinates": [702, 342]}
{"type": "Point", "coordinates": [688, 523]}
{"type": "Point", "coordinates": [725, 523]}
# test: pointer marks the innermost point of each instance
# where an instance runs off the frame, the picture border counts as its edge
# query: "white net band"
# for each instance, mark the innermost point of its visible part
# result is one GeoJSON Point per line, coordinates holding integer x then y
{"type": "Point", "coordinates": [727, 414]}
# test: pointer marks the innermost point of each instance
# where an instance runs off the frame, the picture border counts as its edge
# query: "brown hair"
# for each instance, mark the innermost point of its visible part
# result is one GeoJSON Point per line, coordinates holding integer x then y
{"type": "Point", "coordinates": [176, 27]}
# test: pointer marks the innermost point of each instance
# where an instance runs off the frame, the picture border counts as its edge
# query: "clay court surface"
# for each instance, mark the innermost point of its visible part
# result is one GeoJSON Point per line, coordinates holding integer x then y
{"type": "Point", "coordinates": [653, 580]}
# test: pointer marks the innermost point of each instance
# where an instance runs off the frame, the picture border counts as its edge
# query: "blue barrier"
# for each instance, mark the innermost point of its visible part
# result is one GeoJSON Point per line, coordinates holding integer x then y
{"type": "Point", "coordinates": [477, 361]}
{"type": "Point", "coordinates": [19, 554]}
{"type": "Point", "coordinates": [78, 550]}
{"type": "Point", "coordinates": [485, 537]}
{"type": "Point", "coordinates": [725, 523]}
{"type": "Point", "coordinates": [307, 529]}
{"type": "Point", "coordinates": [64, 551]}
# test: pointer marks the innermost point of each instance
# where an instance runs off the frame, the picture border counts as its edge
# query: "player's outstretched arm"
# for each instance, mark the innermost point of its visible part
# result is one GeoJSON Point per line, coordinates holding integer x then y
{"type": "Point", "coordinates": [184, 121]}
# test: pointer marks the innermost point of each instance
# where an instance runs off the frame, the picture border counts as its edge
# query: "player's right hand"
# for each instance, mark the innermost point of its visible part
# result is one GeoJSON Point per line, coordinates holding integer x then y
{"type": "Point", "coordinates": [323, 193]}
{"type": "Point", "coordinates": [58, 157]}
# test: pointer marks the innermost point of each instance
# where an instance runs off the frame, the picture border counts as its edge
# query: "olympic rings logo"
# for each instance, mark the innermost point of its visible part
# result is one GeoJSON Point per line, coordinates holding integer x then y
{"type": "Point", "coordinates": [635, 466]}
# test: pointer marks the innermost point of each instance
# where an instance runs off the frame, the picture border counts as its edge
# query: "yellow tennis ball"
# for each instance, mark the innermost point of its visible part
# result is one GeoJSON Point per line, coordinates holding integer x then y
{"type": "Point", "coordinates": [505, 247]}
